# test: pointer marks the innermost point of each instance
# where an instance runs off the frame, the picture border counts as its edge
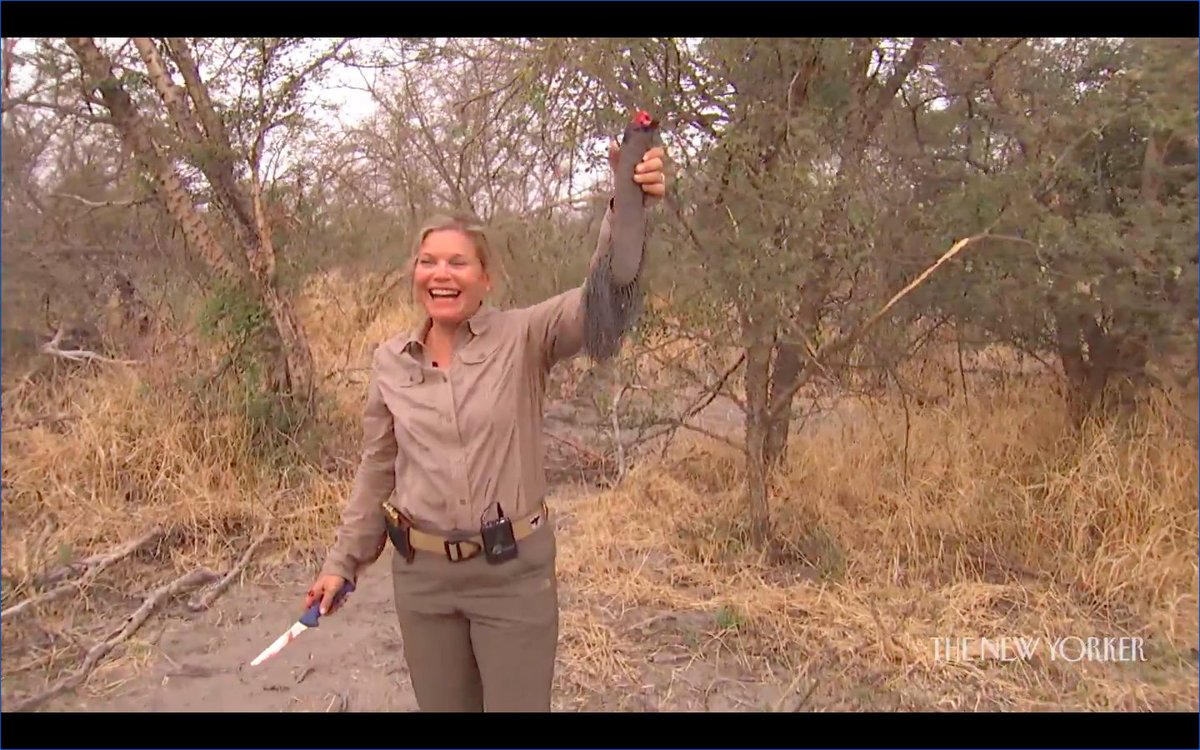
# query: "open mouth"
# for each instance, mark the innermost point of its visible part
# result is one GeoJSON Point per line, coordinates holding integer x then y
{"type": "Point", "coordinates": [444, 293]}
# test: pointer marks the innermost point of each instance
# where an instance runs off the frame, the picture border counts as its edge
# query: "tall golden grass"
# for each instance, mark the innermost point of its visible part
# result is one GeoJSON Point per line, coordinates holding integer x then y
{"type": "Point", "coordinates": [128, 447]}
{"type": "Point", "coordinates": [1003, 527]}
{"type": "Point", "coordinates": [986, 518]}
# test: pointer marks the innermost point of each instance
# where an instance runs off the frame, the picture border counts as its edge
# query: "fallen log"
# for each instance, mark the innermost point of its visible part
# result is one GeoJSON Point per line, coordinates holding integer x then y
{"type": "Point", "coordinates": [100, 564]}
{"type": "Point", "coordinates": [132, 623]}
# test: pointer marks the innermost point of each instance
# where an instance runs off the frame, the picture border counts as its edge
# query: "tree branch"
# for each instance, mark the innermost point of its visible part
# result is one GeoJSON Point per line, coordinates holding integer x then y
{"type": "Point", "coordinates": [208, 597]}
{"type": "Point", "coordinates": [79, 355]}
{"type": "Point", "coordinates": [101, 649]}
{"type": "Point", "coordinates": [854, 336]}
{"type": "Point", "coordinates": [61, 109]}
{"type": "Point", "coordinates": [103, 204]}
{"type": "Point", "coordinates": [97, 566]}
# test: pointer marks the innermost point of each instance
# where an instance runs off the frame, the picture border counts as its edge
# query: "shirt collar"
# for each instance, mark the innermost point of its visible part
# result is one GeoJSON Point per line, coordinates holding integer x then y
{"type": "Point", "coordinates": [477, 324]}
{"type": "Point", "coordinates": [481, 320]}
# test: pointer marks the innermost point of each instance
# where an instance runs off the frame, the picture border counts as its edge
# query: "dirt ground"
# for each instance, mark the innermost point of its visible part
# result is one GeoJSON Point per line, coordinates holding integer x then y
{"type": "Point", "coordinates": [182, 661]}
{"type": "Point", "coordinates": [352, 662]}
{"type": "Point", "coordinates": [647, 659]}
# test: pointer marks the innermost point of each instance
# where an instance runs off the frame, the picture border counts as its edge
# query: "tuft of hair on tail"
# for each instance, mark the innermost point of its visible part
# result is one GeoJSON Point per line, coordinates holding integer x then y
{"type": "Point", "coordinates": [613, 298]}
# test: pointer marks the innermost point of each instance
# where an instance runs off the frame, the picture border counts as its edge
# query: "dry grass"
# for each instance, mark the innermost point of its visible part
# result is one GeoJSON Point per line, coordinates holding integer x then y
{"type": "Point", "coordinates": [1002, 528]}
{"type": "Point", "coordinates": [343, 330]}
{"type": "Point", "coordinates": [130, 453]}
{"type": "Point", "coordinates": [129, 447]}
{"type": "Point", "coordinates": [989, 523]}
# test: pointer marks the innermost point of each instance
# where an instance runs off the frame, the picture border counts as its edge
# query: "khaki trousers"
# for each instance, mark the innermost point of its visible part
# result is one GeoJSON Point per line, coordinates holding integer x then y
{"type": "Point", "coordinates": [480, 637]}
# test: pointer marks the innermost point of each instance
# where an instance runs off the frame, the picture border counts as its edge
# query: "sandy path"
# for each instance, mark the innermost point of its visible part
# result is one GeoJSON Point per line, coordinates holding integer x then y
{"type": "Point", "coordinates": [353, 661]}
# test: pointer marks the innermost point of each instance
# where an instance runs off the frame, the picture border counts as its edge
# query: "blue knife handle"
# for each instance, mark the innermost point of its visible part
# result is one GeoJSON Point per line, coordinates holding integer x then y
{"type": "Point", "coordinates": [310, 618]}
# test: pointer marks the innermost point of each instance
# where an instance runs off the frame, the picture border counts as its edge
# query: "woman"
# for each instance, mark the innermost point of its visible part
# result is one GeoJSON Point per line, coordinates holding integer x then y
{"type": "Point", "coordinates": [452, 472]}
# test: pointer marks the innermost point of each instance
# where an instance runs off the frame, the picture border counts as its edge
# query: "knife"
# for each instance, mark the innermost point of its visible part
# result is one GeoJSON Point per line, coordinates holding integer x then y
{"type": "Point", "coordinates": [308, 620]}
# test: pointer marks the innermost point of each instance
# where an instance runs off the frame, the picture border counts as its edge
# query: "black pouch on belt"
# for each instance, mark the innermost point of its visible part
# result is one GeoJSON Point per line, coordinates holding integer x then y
{"type": "Point", "coordinates": [397, 531]}
{"type": "Point", "coordinates": [499, 543]}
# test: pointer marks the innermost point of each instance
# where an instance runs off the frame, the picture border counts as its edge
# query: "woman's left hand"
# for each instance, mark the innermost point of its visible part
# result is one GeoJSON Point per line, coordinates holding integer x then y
{"type": "Point", "coordinates": [649, 173]}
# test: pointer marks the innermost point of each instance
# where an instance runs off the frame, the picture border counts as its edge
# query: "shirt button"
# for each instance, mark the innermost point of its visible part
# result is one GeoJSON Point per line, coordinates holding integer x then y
{"type": "Point", "coordinates": [462, 502]}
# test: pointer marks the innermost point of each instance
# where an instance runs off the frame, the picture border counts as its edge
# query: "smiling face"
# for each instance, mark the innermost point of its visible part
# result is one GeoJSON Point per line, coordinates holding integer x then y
{"type": "Point", "coordinates": [450, 275]}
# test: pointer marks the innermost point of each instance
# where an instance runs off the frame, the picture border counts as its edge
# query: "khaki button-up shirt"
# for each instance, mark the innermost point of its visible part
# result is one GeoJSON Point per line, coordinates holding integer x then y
{"type": "Point", "coordinates": [442, 445]}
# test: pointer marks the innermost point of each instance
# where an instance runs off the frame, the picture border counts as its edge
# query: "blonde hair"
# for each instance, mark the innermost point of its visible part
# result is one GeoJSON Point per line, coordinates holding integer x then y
{"type": "Point", "coordinates": [457, 221]}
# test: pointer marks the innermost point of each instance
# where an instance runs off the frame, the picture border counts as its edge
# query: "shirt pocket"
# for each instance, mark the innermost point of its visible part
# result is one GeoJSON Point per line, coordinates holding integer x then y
{"type": "Point", "coordinates": [480, 350]}
{"type": "Point", "coordinates": [401, 390]}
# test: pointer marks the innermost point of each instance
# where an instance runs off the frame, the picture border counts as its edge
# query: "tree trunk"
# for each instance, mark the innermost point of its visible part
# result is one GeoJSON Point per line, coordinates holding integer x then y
{"type": "Point", "coordinates": [757, 380]}
{"type": "Point", "coordinates": [297, 377]}
{"type": "Point", "coordinates": [136, 134]}
{"type": "Point", "coordinates": [1111, 365]}
{"type": "Point", "coordinates": [292, 366]}
{"type": "Point", "coordinates": [1084, 382]}
{"type": "Point", "coordinates": [869, 105]}
{"type": "Point", "coordinates": [789, 361]}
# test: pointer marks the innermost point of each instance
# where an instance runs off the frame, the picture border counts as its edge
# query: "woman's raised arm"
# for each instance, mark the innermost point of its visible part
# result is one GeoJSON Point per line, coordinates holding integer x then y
{"type": "Point", "coordinates": [594, 316]}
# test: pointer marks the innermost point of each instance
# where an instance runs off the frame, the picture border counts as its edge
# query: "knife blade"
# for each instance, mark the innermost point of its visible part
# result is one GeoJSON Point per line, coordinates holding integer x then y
{"type": "Point", "coordinates": [310, 619]}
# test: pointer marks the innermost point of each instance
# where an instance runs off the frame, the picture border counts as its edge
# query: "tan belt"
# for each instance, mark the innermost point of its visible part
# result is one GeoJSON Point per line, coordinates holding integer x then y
{"type": "Point", "coordinates": [452, 546]}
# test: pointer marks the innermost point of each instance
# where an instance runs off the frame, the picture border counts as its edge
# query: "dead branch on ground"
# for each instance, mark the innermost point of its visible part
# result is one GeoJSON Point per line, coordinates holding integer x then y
{"type": "Point", "coordinates": [98, 565]}
{"type": "Point", "coordinates": [79, 355]}
{"type": "Point", "coordinates": [30, 423]}
{"type": "Point", "coordinates": [101, 649]}
{"type": "Point", "coordinates": [206, 599]}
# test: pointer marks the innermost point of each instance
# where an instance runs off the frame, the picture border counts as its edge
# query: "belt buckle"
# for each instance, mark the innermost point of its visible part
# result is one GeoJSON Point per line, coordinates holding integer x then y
{"type": "Point", "coordinates": [457, 555]}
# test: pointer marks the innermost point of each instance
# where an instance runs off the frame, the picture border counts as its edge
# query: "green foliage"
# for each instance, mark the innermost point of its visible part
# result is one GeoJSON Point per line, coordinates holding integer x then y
{"type": "Point", "coordinates": [249, 369]}
{"type": "Point", "coordinates": [1118, 225]}
{"type": "Point", "coordinates": [232, 314]}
